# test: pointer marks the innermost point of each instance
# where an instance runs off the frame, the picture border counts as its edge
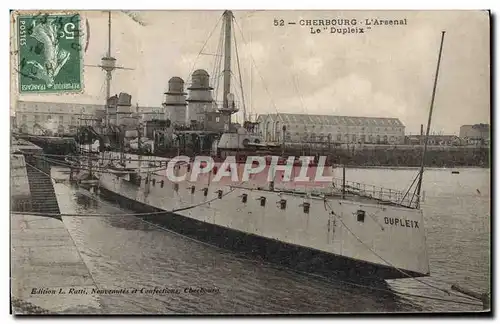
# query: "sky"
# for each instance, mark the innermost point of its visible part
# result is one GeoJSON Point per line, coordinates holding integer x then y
{"type": "Point", "coordinates": [388, 71]}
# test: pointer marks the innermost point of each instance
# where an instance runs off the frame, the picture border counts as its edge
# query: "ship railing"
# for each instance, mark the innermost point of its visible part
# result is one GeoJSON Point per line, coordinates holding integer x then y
{"type": "Point", "coordinates": [352, 189]}
{"type": "Point", "coordinates": [381, 194]}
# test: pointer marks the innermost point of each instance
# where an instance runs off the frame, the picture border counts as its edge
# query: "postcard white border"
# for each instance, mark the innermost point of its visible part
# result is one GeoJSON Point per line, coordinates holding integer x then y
{"type": "Point", "coordinates": [194, 4]}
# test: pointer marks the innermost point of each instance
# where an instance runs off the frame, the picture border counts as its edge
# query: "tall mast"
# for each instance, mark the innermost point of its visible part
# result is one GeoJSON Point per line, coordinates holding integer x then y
{"type": "Point", "coordinates": [421, 174]}
{"type": "Point", "coordinates": [109, 33]}
{"type": "Point", "coordinates": [228, 17]}
{"type": "Point", "coordinates": [228, 104]}
{"type": "Point", "coordinates": [108, 64]}
{"type": "Point", "coordinates": [108, 72]}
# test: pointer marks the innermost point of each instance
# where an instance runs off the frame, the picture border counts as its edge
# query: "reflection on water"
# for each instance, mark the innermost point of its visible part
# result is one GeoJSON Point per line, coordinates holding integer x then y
{"type": "Point", "coordinates": [125, 252]}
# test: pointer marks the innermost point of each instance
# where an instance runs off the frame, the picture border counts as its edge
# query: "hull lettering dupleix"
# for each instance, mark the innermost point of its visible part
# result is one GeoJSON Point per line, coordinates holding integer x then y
{"type": "Point", "coordinates": [401, 222]}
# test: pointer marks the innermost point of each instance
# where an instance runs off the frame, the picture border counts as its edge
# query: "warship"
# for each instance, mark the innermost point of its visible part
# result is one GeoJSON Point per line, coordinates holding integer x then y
{"type": "Point", "coordinates": [336, 227]}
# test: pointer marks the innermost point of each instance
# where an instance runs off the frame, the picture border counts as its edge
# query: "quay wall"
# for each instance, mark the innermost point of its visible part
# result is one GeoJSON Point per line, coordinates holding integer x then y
{"type": "Point", "coordinates": [45, 264]}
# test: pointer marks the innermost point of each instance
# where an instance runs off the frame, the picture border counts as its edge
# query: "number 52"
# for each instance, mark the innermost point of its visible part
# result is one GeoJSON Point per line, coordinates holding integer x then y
{"type": "Point", "coordinates": [279, 22]}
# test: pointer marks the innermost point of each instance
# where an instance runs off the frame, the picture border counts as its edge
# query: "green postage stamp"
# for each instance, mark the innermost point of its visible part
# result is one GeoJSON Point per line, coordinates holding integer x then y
{"type": "Point", "coordinates": [50, 50]}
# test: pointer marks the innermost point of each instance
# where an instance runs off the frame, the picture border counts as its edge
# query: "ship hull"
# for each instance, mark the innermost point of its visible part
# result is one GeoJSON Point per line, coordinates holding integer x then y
{"type": "Point", "coordinates": [282, 253]}
{"type": "Point", "coordinates": [329, 236]}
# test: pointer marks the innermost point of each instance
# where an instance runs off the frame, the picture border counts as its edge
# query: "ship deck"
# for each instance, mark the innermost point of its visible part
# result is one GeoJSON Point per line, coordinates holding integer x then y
{"type": "Point", "coordinates": [338, 189]}
{"type": "Point", "coordinates": [350, 195]}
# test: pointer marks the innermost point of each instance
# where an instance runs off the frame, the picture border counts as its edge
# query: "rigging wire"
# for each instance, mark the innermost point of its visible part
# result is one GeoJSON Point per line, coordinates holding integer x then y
{"type": "Point", "coordinates": [104, 169]}
{"type": "Point", "coordinates": [156, 168]}
{"type": "Point", "coordinates": [97, 169]}
{"type": "Point", "coordinates": [86, 214]}
{"type": "Point", "coordinates": [203, 47]}
{"type": "Point", "coordinates": [83, 193]}
{"type": "Point", "coordinates": [415, 194]}
{"type": "Point", "coordinates": [214, 246]}
{"type": "Point", "coordinates": [96, 157]}
{"type": "Point", "coordinates": [387, 262]}
{"type": "Point", "coordinates": [296, 86]}
{"type": "Point", "coordinates": [409, 189]}
{"type": "Point", "coordinates": [215, 64]}
{"type": "Point", "coordinates": [239, 73]}
{"type": "Point", "coordinates": [193, 206]}
{"type": "Point", "coordinates": [153, 169]}
{"type": "Point", "coordinates": [254, 261]}
{"type": "Point", "coordinates": [217, 73]}
{"type": "Point", "coordinates": [134, 214]}
{"type": "Point", "coordinates": [220, 72]}
{"type": "Point", "coordinates": [258, 72]}
{"type": "Point", "coordinates": [238, 92]}
{"type": "Point", "coordinates": [375, 253]}
{"type": "Point", "coordinates": [320, 277]}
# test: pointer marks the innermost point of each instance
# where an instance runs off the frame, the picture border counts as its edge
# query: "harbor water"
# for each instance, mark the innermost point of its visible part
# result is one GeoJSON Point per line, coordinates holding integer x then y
{"type": "Point", "coordinates": [124, 252]}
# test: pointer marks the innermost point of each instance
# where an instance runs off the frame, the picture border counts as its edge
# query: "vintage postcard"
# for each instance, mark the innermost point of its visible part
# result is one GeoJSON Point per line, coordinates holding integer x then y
{"type": "Point", "coordinates": [250, 162]}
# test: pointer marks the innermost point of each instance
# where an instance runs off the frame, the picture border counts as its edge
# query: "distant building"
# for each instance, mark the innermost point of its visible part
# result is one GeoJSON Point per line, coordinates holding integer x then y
{"type": "Point", "coordinates": [478, 134]}
{"type": "Point", "coordinates": [34, 117]}
{"type": "Point", "coordinates": [434, 140]}
{"type": "Point", "coordinates": [13, 124]}
{"type": "Point", "coordinates": [336, 129]}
